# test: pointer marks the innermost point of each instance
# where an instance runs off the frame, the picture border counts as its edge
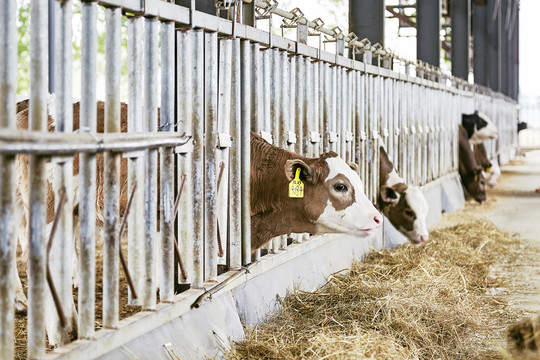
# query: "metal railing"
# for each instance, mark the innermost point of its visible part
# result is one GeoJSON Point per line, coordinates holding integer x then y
{"type": "Point", "coordinates": [229, 78]}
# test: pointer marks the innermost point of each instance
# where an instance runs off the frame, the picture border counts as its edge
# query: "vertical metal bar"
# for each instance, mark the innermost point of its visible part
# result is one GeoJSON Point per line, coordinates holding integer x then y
{"type": "Point", "coordinates": [256, 101]}
{"type": "Point", "coordinates": [222, 152]}
{"type": "Point", "coordinates": [266, 87]}
{"type": "Point", "coordinates": [210, 105]}
{"type": "Point", "coordinates": [135, 164]}
{"type": "Point", "coordinates": [8, 86]}
{"type": "Point", "coordinates": [111, 169]}
{"type": "Point", "coordinates": [150, 123]}
{"type": "Point", "coordinates": [87, 175]}
{"type": "Point", "coordinates": [189, 62]}
{"type": "Point", "coordinates": [246, 107]}
{"type": "Point", "coordinates": [339, 120]}
{"type": "Point", "coordinates": [307, 107]}
{"type": "Point", "coordinates": [235, 188]}
{"type": "Point", "coordinates": [61, 255]}
{"type": "Point", "coordinates": [166, 286]}
{"type": "Point", "coordinates": [37, 199]}
{"type": "Point", "coordinates": [275, 109]}
{"type": "Point", "coordinates": [316, 115]}
{"type": "Point", "coordinates": [299, 104]}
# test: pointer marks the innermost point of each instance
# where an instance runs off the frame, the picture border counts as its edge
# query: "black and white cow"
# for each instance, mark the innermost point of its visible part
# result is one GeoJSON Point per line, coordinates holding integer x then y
{"type": "Point", "coordinates": [479, 127]}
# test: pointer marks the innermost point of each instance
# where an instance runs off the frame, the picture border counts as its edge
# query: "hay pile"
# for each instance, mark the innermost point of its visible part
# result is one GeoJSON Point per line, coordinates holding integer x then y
{"type": "Point", "coordinates": [416, 302]}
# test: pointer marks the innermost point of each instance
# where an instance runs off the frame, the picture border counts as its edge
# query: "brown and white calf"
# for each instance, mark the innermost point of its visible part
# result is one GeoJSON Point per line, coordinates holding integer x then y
{"type": "Point", "coordinates": [404, 206]}
{"type": "Point", "coordinates": [471, 173]}
{"type": "Point", "coordinates": [491, 169]}
{"type": "Point", "coordinates": [333, 202]}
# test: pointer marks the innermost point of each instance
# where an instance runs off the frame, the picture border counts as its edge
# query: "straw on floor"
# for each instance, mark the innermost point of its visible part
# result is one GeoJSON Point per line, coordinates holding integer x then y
{"type": "Point", "coordinates": [433, 301]}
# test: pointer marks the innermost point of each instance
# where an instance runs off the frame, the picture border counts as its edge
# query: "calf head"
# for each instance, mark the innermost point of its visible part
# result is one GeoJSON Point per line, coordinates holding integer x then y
{"type": "Point", "coordinates": [334, 197]}
{"type": "Point", "coordinates": [479, 127]}
{"type": "Point", "coordinates": [405, 207]}
{"type": "Point", "coordinates": [474, 182]}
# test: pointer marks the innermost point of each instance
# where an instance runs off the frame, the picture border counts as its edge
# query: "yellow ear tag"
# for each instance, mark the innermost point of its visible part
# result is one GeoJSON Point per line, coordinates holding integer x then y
{"type": "Point", "coordinates": [475, 177]}
{"type": "Point", "coordinates": [488, 169]}
{"type": "Point", "coordinates": [296, 187]}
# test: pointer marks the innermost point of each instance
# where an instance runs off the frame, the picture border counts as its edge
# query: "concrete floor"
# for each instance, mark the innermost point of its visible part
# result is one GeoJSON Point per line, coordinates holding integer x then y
{"type": "Point", "coordinates": [514, 206]}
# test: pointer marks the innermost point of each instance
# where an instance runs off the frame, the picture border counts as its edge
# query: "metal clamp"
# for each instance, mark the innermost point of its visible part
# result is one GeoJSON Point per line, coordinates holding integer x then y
{"type": "Point", "coordinates": [375, 134]}
{"type": "Point", "coordinates": [267, 136]}
{"type": "Point", "coordinates": [265, 13]}
{"type": "Point", "coordinates": [397, 131]}
{"type": "Point", "coordinates": [319, 24]}
{"type": "Point", "coordinates": [297, 15]}
{"type": "Point", "coordinates": [314, 137]}
{"type": "Point", "coordinates": [184, 149]}
{"type": "Point", "coordinates": [349, 136]}
{"type": "Point", "coordinates": [291, 137]}
{"type": "Point", "coordinates": [332, 136]}
{"type": "Point", "coordinates": [413, 130]}
{"type": "Point", "coordinates": [224, 140]}
{"type": "Point", "coordinates": [363, 135]}
{"type": "Point", "coordinates": [223, 4]}
{"type": "Point", "coordinates": [385, 132]}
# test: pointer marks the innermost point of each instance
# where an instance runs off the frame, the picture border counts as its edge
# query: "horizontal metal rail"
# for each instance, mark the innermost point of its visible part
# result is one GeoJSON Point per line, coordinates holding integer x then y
{"type": "Point", "coordinates": [45, 143]}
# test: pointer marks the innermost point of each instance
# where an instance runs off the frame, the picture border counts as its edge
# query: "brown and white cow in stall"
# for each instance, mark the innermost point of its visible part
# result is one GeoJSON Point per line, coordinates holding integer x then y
{"type": "Point", "coordinates": [471, 173]}
{"type": "Point", "coordinates": [491, 169]}
{"type": "Point", "coordinates": [405, 206]}
{"type": "Point", "coordinates": [333, 202]}
{"type": "Point", "coordinates": [55, 336]}
{"type": "Point", "coordinates": [479, 127]}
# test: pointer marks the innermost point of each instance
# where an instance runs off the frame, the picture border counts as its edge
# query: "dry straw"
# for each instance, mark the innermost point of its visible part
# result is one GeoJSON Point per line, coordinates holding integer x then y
{"type": "Point", "coordinates": [416, 302]}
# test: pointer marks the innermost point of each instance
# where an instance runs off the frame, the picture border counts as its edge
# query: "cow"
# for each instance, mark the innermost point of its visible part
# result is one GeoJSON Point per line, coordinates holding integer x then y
{"type": "Point", "coordinates": [333, 198]}
{"type": "Point", "coordinates": [404, 206]}
{"type": "Point", "coordinates": [471, 174]}
{"type": "Point", "coordinates": [491, 169]}
{"type": "Point", "coordinates": [522, 125]}
{"type": "Point", "coordinates": [479, 127]}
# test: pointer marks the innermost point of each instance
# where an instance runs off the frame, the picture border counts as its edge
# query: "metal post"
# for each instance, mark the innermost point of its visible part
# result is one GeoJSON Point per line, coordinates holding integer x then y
{"type": "Point", "coordinates": [235, 188]}
{"type": "Point", "coordinates": [135, 161]}
{"type": "Point", "coordinates": [494, 25]}
{"type": "Point", "coordinates": [166, 286]}
{"type": "Point", "coordinates": [150, 123]}
{"type": "Point", "coordinates": [256, 102]}
{"type": "Point", "coordinates": [273, 103]}
{"type": "Point", "coordinates": [222, 151]}
{"type": "Point", "coordinates": [366, 19]}
{"type": "Point", "coordinates": [505, 46]}
{"type": "Point", "coordinates": [428, 25]}
{"type": "Point", "coordinates": [246, 107]}
{"type": "Point", "coordinates": [111, 188]}
{"type": "Point", "coordinates": [61, 255]}
{"type": "Point", "coordinates": [210, 105]}
{"type": "Point", "coordinates": [87, 175]}
{"type": "Point", "coordinates": [52, 62]}
{"type": "Point", "coordinates": [480, 43]}
{"type": "Point", "coordinates": [461, 30]}
{"type": "Point", "coordinates": [38, 195]}
{"type": "Point", "coordinates": [299, 104]}
{"type": "Point", "coordinates": [8, 86]}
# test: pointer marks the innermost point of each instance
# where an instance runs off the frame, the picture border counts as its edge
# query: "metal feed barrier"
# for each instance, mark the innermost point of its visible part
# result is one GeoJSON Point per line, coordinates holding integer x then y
{"type": "Point", "coordinates": [229, 78]}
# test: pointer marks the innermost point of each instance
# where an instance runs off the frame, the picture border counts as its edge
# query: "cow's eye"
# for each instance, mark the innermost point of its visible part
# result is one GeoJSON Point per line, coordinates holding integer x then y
{"type": "Point", "coordinates": [340, 187]}
{"type": "Point", "coordinates": [408, 213]}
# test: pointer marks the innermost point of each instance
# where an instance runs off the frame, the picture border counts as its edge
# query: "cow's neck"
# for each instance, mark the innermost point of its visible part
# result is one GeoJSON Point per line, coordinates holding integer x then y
{"type": "Point", "coordinates": [273, 213]}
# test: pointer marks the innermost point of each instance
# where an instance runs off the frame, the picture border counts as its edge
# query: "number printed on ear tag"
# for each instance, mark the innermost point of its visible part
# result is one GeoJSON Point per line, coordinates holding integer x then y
{"type": "Point", "coordinates": [296, 187]}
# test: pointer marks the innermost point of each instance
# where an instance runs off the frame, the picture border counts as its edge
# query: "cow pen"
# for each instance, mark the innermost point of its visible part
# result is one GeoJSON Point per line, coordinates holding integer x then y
{"type": "Point", "coordinates": [220, 78]}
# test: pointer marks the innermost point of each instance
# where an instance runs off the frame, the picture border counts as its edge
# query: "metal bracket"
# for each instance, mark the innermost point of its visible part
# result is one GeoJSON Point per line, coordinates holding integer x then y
{"type": "Point", "coordinates": [413, 130]}
{"type": "Point", "coordinates": [349, 136]}
{"type": "Point", "coordinates": [185, 149]}
{"type": "Point", "coordinates": [319, 24]}
{"type": "Point", "coordinates": [265, 13]}
{"type": "Point", "coordinates": [223, 4]}
{"type": "Point", "coordinates": [363, 135]}
{"type": "Point", "coordinates": [314, 137]}
{"type": "Point", "coordinates": [224, 140]}
{"type": "Point", "coordinates": [375, 134]}
{"type": "Point", "coordinates": [397, 131]}
{"type": "Point", "coordinates": [332, 136]}
{"type": "Point", "coordinates": [267, 136]}
{"type": "Point", "coordinates": [385, 132]}
{"type": "Point", "coordinates": [291, 137]}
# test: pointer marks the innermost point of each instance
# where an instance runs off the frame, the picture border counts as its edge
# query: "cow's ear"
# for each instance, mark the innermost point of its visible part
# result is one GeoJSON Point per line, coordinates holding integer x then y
{"type": "Point", "coordinates": [389, 195]}
{"type": "Point", "coordinates": [306, 172]}
{"type": "Point", "coordinates": [353, 166]}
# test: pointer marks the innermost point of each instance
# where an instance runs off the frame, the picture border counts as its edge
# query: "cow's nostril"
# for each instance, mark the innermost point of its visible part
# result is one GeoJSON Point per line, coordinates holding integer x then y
{"type": "Point", "coordinates": [377, 219]}
{"type": "Point", "coordinates": [423, 238]}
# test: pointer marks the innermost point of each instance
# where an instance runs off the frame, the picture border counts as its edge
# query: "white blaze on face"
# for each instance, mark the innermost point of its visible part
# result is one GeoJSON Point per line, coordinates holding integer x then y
{"type": "Point", "coordinates": [393, 179]}
{"type": "Point", "coordinates": [484, 133]}
{"type": "Point", "coordinates": [418, 204]}
{"type": "Point", "coordinates": [360, 217]}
